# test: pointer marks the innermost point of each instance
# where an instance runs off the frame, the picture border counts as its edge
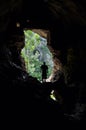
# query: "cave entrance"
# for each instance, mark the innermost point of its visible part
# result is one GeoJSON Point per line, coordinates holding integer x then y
{"type": "Point", "coordinates": [36, 51]}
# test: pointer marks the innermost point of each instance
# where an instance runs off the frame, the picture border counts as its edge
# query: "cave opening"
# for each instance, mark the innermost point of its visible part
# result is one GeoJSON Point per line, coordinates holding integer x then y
{"type": "Point", "coordinates": [36, 51]}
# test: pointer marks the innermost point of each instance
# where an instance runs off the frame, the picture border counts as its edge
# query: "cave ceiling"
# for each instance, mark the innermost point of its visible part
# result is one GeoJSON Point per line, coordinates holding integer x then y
{"type": "Point", "coordinates": [65, 18]}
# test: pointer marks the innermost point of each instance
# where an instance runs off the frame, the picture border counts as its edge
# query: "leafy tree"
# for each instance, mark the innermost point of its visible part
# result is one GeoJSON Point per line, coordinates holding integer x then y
{"type": "Point", "coordinates": [32, 57]}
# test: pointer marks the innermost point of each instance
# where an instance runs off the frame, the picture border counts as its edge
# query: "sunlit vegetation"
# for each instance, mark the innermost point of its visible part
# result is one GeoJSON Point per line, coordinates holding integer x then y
{"type": "Point", "coordinates": [52, 95]}
{"type": "Point", "coordinates": [35, 53]}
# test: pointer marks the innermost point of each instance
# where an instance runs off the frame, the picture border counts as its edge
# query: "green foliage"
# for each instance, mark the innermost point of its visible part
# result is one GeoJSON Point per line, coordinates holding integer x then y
{"type": "Point", "coordinates": [32, 62]}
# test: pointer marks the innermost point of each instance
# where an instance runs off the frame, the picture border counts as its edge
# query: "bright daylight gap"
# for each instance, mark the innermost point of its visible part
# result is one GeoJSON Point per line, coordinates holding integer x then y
{"type": "Point", "coordinates": [35, 52]}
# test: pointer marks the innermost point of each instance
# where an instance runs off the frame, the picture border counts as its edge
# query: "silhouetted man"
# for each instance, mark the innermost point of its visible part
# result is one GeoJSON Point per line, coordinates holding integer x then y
{"type": "Point", "coordinates": [44, 69]}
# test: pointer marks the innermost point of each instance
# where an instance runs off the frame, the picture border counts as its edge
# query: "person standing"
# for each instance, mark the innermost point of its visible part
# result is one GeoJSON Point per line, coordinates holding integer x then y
{"type": "Point", "coordinates": [44, 69]}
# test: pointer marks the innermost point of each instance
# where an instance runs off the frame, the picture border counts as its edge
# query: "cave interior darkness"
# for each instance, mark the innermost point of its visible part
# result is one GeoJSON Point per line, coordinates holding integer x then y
{"type": "Point", "coordinates": [64, 23]}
